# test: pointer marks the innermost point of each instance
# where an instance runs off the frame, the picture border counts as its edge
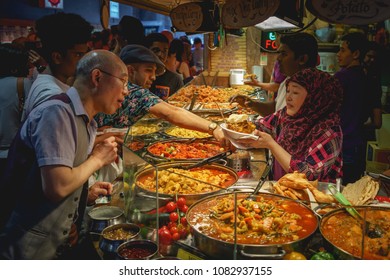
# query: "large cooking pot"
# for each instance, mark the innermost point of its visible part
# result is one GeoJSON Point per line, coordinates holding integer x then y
{"type": "Point", "coordinates": [214, 234]}
{"type": "Point", "coordinates": [149, 172]}
{"type": "Point", "coordinates": [343, 233]}
{"type": "Point", "coordinates": [183, 149]}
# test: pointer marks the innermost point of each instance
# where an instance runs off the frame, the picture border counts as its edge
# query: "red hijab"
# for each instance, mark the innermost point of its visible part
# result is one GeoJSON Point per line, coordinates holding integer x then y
{"type": "Point", "coordinates": [320, 110]}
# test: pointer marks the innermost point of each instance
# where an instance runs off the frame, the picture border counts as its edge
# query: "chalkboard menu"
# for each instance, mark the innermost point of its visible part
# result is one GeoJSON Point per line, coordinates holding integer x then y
{"type": "Point", "coordinates": [350, 12]}
{"type": "Point", "coordinates": [195, 17]}
{"type": "Point", "coordinates": [244, 13]}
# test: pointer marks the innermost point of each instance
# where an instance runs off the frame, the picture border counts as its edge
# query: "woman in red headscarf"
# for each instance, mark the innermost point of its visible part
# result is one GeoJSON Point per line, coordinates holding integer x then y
{"type": "Point", "coordinates": [305, 136]}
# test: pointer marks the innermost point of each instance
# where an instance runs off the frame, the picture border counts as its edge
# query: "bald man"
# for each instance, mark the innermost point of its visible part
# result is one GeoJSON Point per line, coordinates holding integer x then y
{"type": "Point", "coordinates": [52, 158]}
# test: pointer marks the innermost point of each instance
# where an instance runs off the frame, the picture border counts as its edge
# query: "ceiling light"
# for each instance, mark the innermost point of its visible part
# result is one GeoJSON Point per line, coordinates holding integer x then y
{"type": "Point", "coordinates": [275, 23]}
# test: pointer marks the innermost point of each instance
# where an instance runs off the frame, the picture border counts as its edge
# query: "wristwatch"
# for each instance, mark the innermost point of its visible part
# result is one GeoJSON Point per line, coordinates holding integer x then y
{"type": "Point", "coordinates": [212, 127]}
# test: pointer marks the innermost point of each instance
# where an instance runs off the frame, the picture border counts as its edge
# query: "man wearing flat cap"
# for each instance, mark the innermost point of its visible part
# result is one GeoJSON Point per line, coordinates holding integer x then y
{"type": "Point", "coordinates": [143, 65]}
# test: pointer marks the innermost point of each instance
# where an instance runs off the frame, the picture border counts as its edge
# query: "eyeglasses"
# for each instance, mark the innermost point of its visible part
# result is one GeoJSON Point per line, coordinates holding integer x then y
{"type": "Point", "coordinates": [124, 81]}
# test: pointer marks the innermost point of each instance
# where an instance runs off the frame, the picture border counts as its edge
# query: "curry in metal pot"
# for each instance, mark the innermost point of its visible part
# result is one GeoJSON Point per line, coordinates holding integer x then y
{"type": "Point", "coordinates": [267, 220]}
{"type": "Point", "coordinates": [185, 150]}
{"type": "Point", "coordinates": [193, 181]}
{"type": "Point", "coordinates": [345, 232]}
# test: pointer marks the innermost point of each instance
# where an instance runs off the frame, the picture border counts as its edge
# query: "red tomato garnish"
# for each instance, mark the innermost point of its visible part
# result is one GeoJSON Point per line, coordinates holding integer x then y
{"type": "Point", "coordinates": [181, 201]}
{"type": "Point", "coordinates": [165, 237]}
{"type": "Point", "coordinates": [170, 207]}
{"type": "Point", "coordinates": [176, 236]}
{"type": "Point", "coordinates": [173, 217]}
{"type": "Point", "coordinates": [173, 230]}
{"type": "Point", "coordinates": [171, 225]}
{"type": "Point", "coordinates": [184, 209]}
{"type": "Point", "coordinates": [183, 221]}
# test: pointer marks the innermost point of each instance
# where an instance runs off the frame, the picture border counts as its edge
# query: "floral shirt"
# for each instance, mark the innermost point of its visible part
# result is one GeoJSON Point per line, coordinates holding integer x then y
{"type": "Point", "coordinates": [135, 106]}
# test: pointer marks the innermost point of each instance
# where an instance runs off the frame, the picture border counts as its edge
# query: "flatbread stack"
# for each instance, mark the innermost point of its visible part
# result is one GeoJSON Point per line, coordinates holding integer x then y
{"type": "Point", "coordinates": [362, 191]}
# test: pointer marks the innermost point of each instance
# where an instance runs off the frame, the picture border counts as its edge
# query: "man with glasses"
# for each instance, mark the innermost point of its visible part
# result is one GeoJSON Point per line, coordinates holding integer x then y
{"type": "Point", "coordinates": [143, 66]}
{"type": "Point", "coordinates": [64, 40]}
{"type": "Point", "coordinates": [168, 83]}
{"type": "Point", "coordinates": [51, 159]}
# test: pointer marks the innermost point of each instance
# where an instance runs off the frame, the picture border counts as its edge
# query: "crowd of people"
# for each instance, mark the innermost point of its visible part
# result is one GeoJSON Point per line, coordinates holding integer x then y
{"type": "Point", "coordinates": [55, 99]}
{"type": "Point", "coordinates": [51, 117]}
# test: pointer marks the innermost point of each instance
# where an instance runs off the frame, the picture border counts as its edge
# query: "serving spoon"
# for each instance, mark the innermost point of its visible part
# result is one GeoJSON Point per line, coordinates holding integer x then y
{"type": "Point", "coordinates": [372, 230]}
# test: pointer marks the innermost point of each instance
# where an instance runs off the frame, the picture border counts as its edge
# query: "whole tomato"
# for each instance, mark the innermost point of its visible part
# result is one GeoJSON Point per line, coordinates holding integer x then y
{"type": "Point", "coordinates": [184, 209]}
{"type": "Point", "coordinates": [183, 221]}
{"type": "Point", "coordinates": [170, 207]}
{"type": "Point", "coordinates": [173, 230]}
{"type": "Point", "coordinates": [181, 201]}
{"type": "Point", "coordinates": [173, 217]}
{"type": "Point", "coordinates": [176, 236]}
{"type": "Point", "coordinates": [171, 225]}
{"type": "Point", "coordinates": [183, 232]}
{"type": "Point", "coordinates": [165, 237]}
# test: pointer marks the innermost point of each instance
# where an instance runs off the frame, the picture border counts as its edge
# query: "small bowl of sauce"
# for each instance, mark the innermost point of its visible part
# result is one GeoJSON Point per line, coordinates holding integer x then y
{"type": "Point", "coordinates": [137, 250]}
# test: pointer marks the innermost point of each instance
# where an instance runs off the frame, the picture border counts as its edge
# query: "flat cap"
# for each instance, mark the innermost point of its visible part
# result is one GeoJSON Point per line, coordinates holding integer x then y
{"type": "Point", "coordinates": [139, 54]}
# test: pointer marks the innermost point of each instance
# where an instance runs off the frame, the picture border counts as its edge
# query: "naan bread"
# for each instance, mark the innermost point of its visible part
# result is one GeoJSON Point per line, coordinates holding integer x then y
{"type": "Point", "coordinates": [362, 191]}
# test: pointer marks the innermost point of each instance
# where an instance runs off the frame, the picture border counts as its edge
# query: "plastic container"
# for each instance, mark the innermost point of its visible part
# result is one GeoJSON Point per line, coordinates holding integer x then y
{"type": "Point", "coordinates": [236, 77]}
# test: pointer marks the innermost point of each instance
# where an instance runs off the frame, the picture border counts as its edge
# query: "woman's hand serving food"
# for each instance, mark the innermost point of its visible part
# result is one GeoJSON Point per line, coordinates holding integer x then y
{"type": "Point", "coordinates": [266, 141]}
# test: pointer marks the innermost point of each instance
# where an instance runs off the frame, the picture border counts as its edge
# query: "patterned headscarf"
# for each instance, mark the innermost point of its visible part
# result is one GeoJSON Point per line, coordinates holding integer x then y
{"type": "Point", "coordinates": [320, 110]}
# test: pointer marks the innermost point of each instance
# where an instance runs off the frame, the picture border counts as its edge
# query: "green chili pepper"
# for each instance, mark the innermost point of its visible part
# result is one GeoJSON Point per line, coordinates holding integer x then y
{"type": "Point", "coordinates": [322, 256]}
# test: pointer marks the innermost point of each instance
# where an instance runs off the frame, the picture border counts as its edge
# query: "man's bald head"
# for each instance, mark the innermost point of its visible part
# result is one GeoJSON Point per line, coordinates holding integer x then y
{"type": "Point", "coordinates": [97, 59]}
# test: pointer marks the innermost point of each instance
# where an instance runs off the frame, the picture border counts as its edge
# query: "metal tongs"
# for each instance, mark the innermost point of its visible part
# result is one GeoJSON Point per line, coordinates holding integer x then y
{"type": "Point", "coordinates": [372, 230]}
{"type": "Point", "coordinates": [208, 160]}
{"type": "Point", "coordinates": [263, 178]}
{"type": "Point", "coordinates": [193, 100]}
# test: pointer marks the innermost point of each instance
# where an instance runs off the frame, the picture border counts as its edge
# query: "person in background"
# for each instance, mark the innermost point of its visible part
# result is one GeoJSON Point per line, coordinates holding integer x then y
{"type": "Point", "coordinates": [64, 40]}
{"type": "Point", "coordinates": [354, 82]}
{"type": "Point", "coordinates": [305, 136]}
{"type": "Point", "coordinates": [143, 66]}
{"type": "Point", "coordinates": [51, 159]}
{"type": "Point", "coordinates": [372, 65]}
{"type": "Point", "coordinates": [113, 42]}
{"type": "Point", "coordinates": [181, 67]}
{"type": "Point", "coordinates": [272, 87]}
{"type": "Point", "coordinates": [14, 86]}
{"type": "Point", "coordinates": [106, 38]}
{"type": "Point", "coordinates": [169, 82]}
{"type": "Point", "coordinates": [170, 63]}
{"type": "Point", "coordinates": [197, 55]}
{"type": "Point", "coordinates": [130, 31]}
{"type": "Point", "coordinates": [372, 68]}
{"type": "Point", "coordinates": [168, 34]}
{"type": "Point", "coordinates": [37, 63]}
{"type": "Point", "coordinates": [296, 52]}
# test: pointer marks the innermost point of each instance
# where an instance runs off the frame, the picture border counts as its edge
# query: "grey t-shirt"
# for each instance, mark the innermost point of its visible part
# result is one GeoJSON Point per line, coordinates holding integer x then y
{"type": "Point", "coordinates": [166, 84]}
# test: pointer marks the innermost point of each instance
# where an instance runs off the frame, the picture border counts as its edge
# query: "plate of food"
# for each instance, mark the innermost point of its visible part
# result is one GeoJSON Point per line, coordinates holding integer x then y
{"type": "Point", "coordinates": [238, 127]}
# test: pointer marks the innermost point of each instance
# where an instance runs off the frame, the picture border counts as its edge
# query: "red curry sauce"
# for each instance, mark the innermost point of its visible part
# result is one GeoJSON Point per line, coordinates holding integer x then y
{"type": "Point", "coordinates": [346, 233]}
{"type": "Point", "coordinates": [268, 220]}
